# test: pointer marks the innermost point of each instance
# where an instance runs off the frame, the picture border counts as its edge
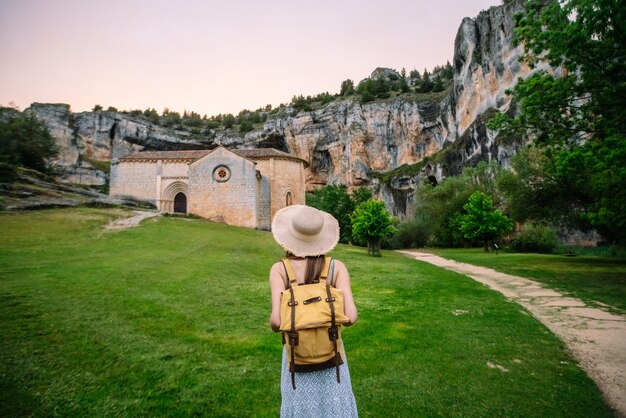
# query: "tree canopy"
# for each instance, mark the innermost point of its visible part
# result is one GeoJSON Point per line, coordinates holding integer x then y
{"type": "Point", "coordinates": [24, 141]}
{"type": "Point", "coordinates": [372, 222]}
{"type": "Point", "coordinates": [338, 202]}
{"type": "Point", "coordinates": [577, 113]}
{"type": "Point", "coordinates": [481, 221]}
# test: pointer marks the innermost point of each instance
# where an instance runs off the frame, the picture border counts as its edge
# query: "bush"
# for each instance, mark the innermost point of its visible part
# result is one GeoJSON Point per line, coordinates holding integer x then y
{"type": "Point", "coordinates": [24, 141]}
{"type": "Point", "coordinates": [410, 234]}
{"type": "Point", "coordinates": [535, 239]}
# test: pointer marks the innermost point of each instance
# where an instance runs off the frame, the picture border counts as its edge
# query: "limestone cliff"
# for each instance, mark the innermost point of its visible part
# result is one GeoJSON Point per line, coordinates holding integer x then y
{"type": "Point", "coordinates": [89, 140]}
{"type": "Point", "coordinates": [346, 141]}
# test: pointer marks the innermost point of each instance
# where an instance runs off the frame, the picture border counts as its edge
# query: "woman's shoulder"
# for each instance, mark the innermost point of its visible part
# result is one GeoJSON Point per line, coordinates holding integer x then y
{"type": "Point", "coordinates": [339, 263]}
{"type": "Point", "coordinates": [277, 267]}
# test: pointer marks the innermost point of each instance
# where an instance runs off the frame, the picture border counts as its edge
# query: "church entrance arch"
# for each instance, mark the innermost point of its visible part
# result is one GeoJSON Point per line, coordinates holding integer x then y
{"type": "Point", "coordinates": [175, 198]}
{"type": "Point", "coordinates": [180, 203]}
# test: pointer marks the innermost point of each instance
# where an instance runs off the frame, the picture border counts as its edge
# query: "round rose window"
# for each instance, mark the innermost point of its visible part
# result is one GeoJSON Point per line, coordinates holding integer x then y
{"type": "Point", "coordinates": [221, 173]}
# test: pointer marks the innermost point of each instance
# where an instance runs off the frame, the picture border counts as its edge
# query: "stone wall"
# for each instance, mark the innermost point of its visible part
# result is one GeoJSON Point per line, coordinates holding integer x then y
{"type": "Point", "coordinates": [264, 210]}
{"type": "Point", "coordinates": [136, 179]}
{"type": "Point", "coordinates": [231, 199]}
{"type": "Point", "coordinates": [285, 176]}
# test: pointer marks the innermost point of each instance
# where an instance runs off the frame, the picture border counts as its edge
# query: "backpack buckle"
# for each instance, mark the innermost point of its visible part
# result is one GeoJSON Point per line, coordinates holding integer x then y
{"type": "Point", "coordinates": [312, 300]}
{"type": "Point", "coordinates": [294, 303]}
{"type": "Point", "coordinates": [293, 338]}
{"type": "Point", "coordinates": [330, 299]}
{"type": "Point", "coordinates": [333, 333]}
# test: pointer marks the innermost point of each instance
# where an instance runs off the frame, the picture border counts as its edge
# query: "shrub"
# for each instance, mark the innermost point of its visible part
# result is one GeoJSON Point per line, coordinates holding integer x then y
{"type": "Point", "coordinates": [24, 141]}
{"type": "Point", "coordinates": [246, 126]}
{"type": "Point", "coordinates": [410, 234]}
{"type": "Point", "coordinates": [535, 239]}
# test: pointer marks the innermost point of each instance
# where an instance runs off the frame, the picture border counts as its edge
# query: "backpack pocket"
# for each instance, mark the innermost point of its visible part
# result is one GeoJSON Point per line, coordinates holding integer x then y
{"type": "Point", "coordinates": [315, 349]}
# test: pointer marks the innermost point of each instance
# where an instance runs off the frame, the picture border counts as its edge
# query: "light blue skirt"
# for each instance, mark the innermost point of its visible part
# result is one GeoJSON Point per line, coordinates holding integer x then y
{"type": "Point", "coordinates": [317, 394]}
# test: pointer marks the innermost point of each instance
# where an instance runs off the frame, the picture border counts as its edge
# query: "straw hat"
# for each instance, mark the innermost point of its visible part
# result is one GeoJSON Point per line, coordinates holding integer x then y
{"type": "Point", "coordinates": [305, 231]}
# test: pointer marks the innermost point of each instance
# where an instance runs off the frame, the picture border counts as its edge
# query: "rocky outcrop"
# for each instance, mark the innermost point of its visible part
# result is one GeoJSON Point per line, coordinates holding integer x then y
{"type": "Point", "coordinates": [346, 142]}
{"type": "Point", "coordinates": [89, 140]}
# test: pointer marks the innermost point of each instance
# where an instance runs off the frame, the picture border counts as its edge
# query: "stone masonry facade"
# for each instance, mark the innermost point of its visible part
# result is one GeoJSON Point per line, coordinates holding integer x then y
{"type": "Point", "coordinates": [237, 187]}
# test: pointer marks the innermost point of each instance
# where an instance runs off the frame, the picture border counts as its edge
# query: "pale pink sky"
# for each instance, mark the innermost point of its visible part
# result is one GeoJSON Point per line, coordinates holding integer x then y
{"type": "Point", "coordinates": [213, 56]}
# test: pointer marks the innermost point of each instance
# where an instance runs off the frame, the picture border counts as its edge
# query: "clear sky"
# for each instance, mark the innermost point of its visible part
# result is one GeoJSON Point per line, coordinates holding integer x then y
{"type": "Point", "coordinates": [213, 56]}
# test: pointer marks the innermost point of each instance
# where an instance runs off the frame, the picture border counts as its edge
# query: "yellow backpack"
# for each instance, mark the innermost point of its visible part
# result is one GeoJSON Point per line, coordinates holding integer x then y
{"type": "Point", "coordinates": [311, 316]}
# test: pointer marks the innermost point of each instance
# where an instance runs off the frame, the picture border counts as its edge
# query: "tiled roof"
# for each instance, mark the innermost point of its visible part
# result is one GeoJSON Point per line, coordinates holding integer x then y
{"type": "Point", "coordinates": [170, 155]}
{"type": "Point", "coordinates": [252, 153]}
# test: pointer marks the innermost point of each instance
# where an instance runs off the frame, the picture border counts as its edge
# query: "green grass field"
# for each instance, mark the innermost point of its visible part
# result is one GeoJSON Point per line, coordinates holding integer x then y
{"type": "Point", "coordinates": [170, 319]}
{"type": "Point", "coordinates": [590, 278]}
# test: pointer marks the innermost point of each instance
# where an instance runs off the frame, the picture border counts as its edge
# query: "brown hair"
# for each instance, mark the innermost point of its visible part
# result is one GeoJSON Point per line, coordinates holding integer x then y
{"type": "Point", "coordinates": [314, 267]}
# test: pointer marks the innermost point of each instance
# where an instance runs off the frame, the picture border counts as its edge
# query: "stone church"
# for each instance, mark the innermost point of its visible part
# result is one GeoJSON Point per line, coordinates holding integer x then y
{"type": "Point", "coordinates": [242, 187]}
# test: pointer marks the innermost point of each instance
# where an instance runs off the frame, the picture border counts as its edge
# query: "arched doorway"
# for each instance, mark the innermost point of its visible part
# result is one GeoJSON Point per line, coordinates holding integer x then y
{"type": "Point", "coordinates": [289, 198]}
{"type": "Point", "coordinates": [180, 203]}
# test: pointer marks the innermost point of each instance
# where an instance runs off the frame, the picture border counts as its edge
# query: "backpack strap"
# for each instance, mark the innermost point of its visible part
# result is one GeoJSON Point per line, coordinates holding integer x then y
{"type": "Point", "coordinates": [292, 334]}
{"type": "Point", "coordinates": [291, 274]}
{"type": "Point", "coordinates": [333, 331]}
{"type": "Point", "coordinates": [325, 269]}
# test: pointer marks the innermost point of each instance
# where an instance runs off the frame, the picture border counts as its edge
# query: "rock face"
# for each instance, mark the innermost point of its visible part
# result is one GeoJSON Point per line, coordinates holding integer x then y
{"type": "Point", "coordinates": [345, 141]}
{"type": "Point", "coordinates": [88, 139]}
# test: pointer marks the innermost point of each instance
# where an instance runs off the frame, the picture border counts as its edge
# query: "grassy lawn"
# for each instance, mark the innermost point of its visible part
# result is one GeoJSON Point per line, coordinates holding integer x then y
{"type": "Point", "coordinates": [590, 278]}
{"type": "Point", "coordinates": [170, 319]}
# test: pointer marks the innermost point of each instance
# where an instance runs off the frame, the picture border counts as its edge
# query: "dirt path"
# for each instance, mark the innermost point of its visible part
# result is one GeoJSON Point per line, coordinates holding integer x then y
{"type": "Point", "coordinates": [130, 221]}
{"type": "Point", "coordinates": [596, 338]}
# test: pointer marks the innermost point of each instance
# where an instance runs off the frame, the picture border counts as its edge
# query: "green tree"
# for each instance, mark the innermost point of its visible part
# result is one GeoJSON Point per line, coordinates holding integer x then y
{"type": "Point", "coordinates": [426, 84]}
{"type": "Point", "coordinates": [228, 120]}
{"type": "Point", "coordinates": [97, 108]}
{"type": "Point", "coordinates": [301, 103]}
{"type": "Point", "coordinates": [369, 89]}
{"type": "Point", "coordinates": [152, 115]}
{"type": "Point", "coordinates": [448, 71]}
{"type": "Point", "coordinates": [438, 85]}
{"type": "Point", "coordinates": [192, 119]}
{"type": "Point", "coordinates": [347, 88]}
{"type": "Point", "coordinates": [436, 206]}
{"type": "Point", "coordinates": [255, 117]}
{"type": "Point", "coordinates": [578, 112]}
{"type": "Point", "coordinates": [402, 85]}
{"type": "Point", "coordinates": [372, 222]}
{"type": "Point", "coordinates": [24, 141]}
{"type": "Point", "coordinates": [481, 221]}
{"type": "Point", "coordinates": [338, 202]}
{"type": "Point", "coordinates": [246, 126]}
{"type": "Point", "coordinates": [171, 118]}
{"type": "Point", "coordinates": [538, 190]}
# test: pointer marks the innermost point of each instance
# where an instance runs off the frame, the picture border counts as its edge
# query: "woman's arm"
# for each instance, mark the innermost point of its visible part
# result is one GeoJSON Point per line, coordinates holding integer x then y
{"type": "Point", "coordinates": [342, 281]}
{"type": "Point", "coordinates": [277, 285]}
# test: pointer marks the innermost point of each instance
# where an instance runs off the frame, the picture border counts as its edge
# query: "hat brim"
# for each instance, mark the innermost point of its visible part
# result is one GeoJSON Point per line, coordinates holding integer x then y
{"type": "Point", "coordinates": [324, 242]}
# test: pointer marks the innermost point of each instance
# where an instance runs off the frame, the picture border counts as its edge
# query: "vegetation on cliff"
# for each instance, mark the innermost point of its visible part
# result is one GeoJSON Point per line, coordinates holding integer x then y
{"type": "Point", "coordinates": [336, 200]}
{"type": "Point", "coordinates": [24, 142]}
{"type": "Point", "coordinates": [578, 118]}
{"type": "Point", "coordinates": [572, 175]}
{"type": "Point", "coordinates": [384, 84]}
